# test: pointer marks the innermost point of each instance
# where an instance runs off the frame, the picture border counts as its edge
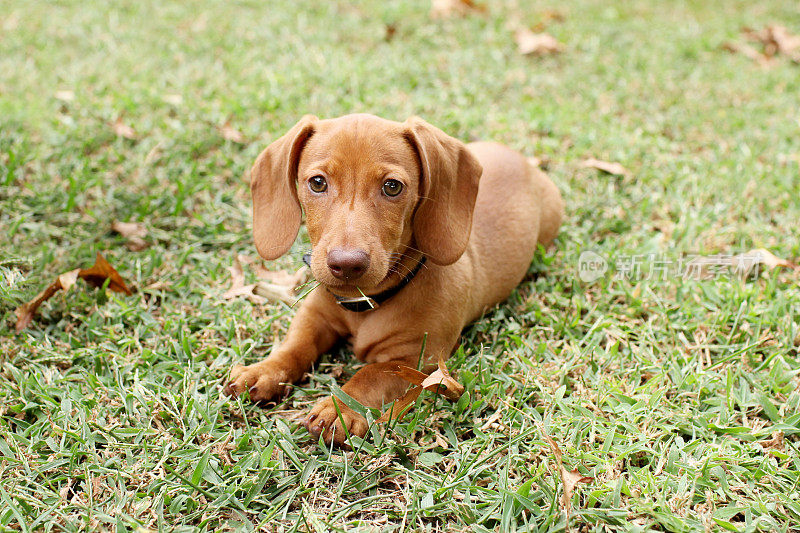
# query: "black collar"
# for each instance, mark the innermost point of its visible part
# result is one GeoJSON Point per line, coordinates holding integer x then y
{"type": "Point", "coordinates": [360, 304]}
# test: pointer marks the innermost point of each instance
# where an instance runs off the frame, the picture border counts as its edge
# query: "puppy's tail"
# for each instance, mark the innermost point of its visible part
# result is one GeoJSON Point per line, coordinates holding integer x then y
{"type": "Point", "coordinates": [552, 206]}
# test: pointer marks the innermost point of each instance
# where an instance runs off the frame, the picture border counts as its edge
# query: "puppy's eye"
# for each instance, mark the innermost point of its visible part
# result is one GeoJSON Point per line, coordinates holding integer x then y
{"type": "Point", "coordinates": [392, 187]}
{"type": "Point", "coordinates": [318, 184]}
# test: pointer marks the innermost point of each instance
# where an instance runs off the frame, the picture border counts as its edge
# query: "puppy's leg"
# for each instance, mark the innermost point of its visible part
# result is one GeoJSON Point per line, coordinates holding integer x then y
{"type": "Point", "coordinates": [373, 386]}
{"type": "Point", "coordinates": [310, 334]}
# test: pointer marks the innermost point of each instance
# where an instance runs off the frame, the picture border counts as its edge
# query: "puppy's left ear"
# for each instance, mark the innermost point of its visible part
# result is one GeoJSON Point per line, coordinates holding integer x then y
{"type": "Point", "coordinates": [448, 189]}
{"type": "Point", "coordinates": [273, 184]}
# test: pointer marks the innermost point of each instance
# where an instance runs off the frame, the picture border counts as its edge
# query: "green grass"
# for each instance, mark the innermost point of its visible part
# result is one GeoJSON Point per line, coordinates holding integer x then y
{"type": "Point", "coordinates": [111, 412]}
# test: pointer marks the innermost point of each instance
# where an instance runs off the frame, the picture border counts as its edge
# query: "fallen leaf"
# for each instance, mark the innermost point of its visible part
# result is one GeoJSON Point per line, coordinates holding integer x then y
{"type": "Point", "coordinates": [569, 478]}
{"type": "Point", "coordinates": [776, 40]}
{"type": "Point", "coordinates": [129, 229]}
{"type": "Point", "coordinates": [537, 44]}
{"type": "Point", "coordinates": [774, 443]}
{"type": "Point", "coordinates": [123, 130]}
{"type": "Point", "coordinates": [768, 259]}
{"type": "Point", "coordinates": [229, 133]}
{"type": "Point", "coordinates": [238, 288]}
{"type": "Point", "coordinates": [440, 381]}
{"type": "Point", "coordinates": [282, 277]}
{"type": "Point", "coordinates": [401, 405]}
{"type": "Point", "coordinates": [742, 265]}
{"type": "Point", "coordinates": [276, 293]}
{"type": "Point", "coordinates": [158, 286]}
{"type": "Point", "coordinates": [747, 51]}
{"type": "Point", "coordinates": [26, 311]}
{"type": "Point", "coordinates": [134, 231]}
{"type": "Point", "coordinates": [136, 244]}
{"type": "Point", "coordinates": [273, 286]}
{"type": "Point", "coordinates": [441, 9]}
{"type": "Point", "coordinates": [615, 169]}
{"type": "Point", "coordinates": [95, 276]}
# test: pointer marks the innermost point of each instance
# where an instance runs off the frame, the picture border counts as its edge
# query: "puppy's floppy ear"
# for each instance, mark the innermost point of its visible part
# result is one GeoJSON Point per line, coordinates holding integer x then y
{"type": "Point", "coordinates": [448, 189]}
{"type": "Point", "coordinates": [273, 184]}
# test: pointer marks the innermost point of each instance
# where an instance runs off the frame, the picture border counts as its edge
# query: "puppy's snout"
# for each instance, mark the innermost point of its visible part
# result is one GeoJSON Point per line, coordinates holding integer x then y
{"type": "Point", "coordinates": [348, 263]}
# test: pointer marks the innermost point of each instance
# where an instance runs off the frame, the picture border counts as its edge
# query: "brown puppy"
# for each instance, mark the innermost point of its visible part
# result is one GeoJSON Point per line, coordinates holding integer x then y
{"type": "Point", "coordinates": [390, 205]}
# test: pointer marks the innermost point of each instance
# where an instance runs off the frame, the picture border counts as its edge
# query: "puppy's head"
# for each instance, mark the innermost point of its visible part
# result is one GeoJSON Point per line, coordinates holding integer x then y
{"type": "Point", "coordinates": [371, 189]}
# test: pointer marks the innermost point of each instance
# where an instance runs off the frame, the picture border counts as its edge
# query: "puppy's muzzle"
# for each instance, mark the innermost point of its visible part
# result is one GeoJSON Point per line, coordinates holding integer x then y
{"type": "Point", "coordinates": [348, 264]}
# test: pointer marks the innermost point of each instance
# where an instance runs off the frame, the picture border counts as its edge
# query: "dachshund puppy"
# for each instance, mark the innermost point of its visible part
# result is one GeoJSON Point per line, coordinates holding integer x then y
{"type": "Point", "coordinates": [413, 233]}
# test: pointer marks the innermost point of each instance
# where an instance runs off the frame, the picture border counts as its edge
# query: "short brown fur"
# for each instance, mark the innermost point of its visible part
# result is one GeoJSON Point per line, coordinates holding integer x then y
{"type": "Point", "coordinates": [476, 211]}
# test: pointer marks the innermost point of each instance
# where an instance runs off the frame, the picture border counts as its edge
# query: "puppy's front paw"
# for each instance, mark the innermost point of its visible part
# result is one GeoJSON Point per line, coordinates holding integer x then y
{"type": "Point", "coordinates": [324, 420]}
{"type": "Point", "coordinates": [263, 381]}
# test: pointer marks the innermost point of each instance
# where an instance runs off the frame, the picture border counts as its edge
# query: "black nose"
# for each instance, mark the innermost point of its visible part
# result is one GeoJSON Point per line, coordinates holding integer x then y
{"type": "Point", "coordinates": [348, 263]}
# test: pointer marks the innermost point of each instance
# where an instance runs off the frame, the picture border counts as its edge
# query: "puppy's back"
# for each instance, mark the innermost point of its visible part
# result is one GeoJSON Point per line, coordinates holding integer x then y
{"type": "Point", "coordinates": [517, 208]}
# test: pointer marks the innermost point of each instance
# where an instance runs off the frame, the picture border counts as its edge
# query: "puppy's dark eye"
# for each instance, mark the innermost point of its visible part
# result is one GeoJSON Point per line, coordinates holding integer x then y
{"type": "Point", "coordinates": [318, 184]}
{"type": "Point", "coordinates": [392, 187]}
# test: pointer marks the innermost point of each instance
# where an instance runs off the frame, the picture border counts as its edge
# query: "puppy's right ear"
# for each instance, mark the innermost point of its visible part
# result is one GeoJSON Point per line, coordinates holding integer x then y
{"type": "Point", "coordinates": [273, 184]}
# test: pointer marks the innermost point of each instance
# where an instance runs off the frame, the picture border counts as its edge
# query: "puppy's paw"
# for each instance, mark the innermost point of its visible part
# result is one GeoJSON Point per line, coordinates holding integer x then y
{"type": "Point", "coordinates": [324, 420]}
{"type": "Point", "coordinates": [262, 380]}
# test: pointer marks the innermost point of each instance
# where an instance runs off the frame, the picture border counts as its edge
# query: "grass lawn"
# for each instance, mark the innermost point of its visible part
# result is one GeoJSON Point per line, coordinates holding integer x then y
{"type": "Point", "coordinates": [679, 397]}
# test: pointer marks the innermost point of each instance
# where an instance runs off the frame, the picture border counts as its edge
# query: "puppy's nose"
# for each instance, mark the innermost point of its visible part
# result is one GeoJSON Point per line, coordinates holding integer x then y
{"type": "Point", "coordinates": [348, 263]}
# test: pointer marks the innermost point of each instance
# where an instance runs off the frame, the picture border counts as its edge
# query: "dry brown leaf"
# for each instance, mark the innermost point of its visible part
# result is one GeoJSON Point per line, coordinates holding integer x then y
{"type": "Point", "coordinates": [440, 381]}
{"type": "Point", "coordinates": [768, 259]}
{"type": "Point", "coordinates": [569, 478]}
{"type": "Point", "coordinates": [537, 44]}
{"type": "Point", "coordinates": [123, 130]}
{"type": "Point", "coordinates": [774, 443]}
{"type": "Point", "coordinates": [277, 286]}
{"type": "Point", "coordinates": [615, 169]}
{"type": "Point", "coordinates": [238, 288]}
{"type": "Point", "coordinates": [776, 40]}
{"type": "Point", "coordinates": [747, 51]}
{"type": "Point", "coordinates": [136, 244]}
{"type": "Point", "coordinates": [441, 9]}
{"type": "Point", "coordinates": [159, 286]}
{"type": "Point", "coordinates": [412, 375]}
{"type": "Point", "coordinates": [276, 293]}
{"type": "Point", "coordinates": [742, 265]}
{"type": "Point", "coordinates": [95, 276]}
{"type": "Point", "coordinates": [26, 311]}
{"type": "Point", "coordinates": [401, 405]}
{"type": "Point", "coordinates": [134, 231]}
{"type": "Point", "coordinates": [229, 133]}
{"type": "Point", "coordinates": [129, 229]}
{"type": "Point", "coordinates": [247, 291]}
{"type": "Point", "coordinates": [282, 277]}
